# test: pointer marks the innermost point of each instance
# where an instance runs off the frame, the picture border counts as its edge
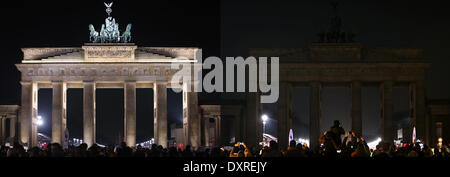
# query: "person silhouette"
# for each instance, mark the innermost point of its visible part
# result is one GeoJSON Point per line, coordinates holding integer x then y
{"type": "Point", "coordinates": [338, 131]}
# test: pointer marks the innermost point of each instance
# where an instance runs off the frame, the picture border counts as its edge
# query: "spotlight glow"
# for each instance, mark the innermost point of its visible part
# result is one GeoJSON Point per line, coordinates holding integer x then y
{"type": "Point", "coordinates": [264, 118]}
{"type": "Point", "coordinates": [373, 144]}
{"type": "Point", "coordinates": [40, 122]}
{"type": "Point", "coordinates": [303, 141]}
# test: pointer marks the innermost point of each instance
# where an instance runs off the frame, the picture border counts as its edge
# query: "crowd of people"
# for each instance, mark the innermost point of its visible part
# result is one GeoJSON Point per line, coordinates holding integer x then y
{"type": "Point", "coordinates": [331, 146]}
{"type": "Point", "coordinates": [355, 146]}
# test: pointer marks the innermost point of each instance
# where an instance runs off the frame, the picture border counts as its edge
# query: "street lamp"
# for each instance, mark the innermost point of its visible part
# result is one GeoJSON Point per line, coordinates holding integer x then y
{"type": "Point", "coordinates": [264, 119]}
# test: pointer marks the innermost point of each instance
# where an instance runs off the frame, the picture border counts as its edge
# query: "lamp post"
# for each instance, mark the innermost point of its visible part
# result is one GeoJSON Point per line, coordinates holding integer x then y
{"type": "Point", "coordinates": [264, 119]}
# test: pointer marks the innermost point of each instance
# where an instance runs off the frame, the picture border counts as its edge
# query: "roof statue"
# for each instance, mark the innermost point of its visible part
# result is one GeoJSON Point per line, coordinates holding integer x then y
{"type": "Point", "coordinates": [108, 8]}
{"type": "Point", "coordinates": [335, 33]}
{"type": "Point", "coordinates": [109, 32]}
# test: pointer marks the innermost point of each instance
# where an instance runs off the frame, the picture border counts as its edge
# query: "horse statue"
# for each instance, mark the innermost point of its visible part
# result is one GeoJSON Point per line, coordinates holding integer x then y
{"type": "Point", "coordinates": [126, 36]}
{"type": "Point", "coordinates": [103, 34]}
{"type": "Point", "coordinates": [116, 33]}
{"type": "Point", "coordinates": [94, 36]}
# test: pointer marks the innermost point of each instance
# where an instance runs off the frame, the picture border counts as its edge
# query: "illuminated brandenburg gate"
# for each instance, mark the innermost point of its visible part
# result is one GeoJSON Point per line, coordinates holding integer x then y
{"type": "Point", "coordinates": [95, 66]}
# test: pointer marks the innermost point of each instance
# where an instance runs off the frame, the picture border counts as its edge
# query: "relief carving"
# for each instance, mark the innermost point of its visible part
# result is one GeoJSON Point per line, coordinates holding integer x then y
{"type": "Point", "coordinates": [125, 72]}
{"type": "Point", "coordinates": [30, 72]}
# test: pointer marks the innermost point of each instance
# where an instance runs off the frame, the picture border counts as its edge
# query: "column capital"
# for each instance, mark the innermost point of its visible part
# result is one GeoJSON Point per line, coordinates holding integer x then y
{"type": "Point", "coordinates": [419, 82]}
{"type": "Point", "coordinates": [130, 81]}
{"type": "Point", "coordinates": [88, 81]}
{"type": "Point", "coordinates": [160, 82]}
{"type": "Point", "coordinates": [193, 82]}
{"type": "Point", "coordinates": [387, 82]}
{"type": "Point", "coordinates": [286, 83]}
{"type": "Point", "coordinates": [57, 81]}
{"type": "Point", "coordinates": [26, 82]}
{"type": "Point", "coordinates": [356, 82]}
{"type": "Point", "coordinates": [315, 84]}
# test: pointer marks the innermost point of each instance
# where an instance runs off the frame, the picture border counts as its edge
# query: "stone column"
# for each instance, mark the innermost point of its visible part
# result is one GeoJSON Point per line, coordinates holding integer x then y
{"type": "Point", "coordinates": [408, 136]}
{"type": "Point", "coordinates": [284, 113]}
{"type": "Point", "coordinates": [160, 112]}
{"type": "Point", "coordinates": [206, 131]}
{"type": "Point", "coordinates": [356, 108]}
{"type": "Point", "coordinates": [130, 113]}
{"type": "Point", "coordinates": [387, 109]}
{"type": "Point", "coordinates": [253, 123]}
{"type": "Point", "coordinates": [59, 112]}
{"type": "Point", "coordinates": [417, 104]}
{"type": "Point", "coordinates": [89, 113]}
{"type": "Point", "coordinates": [2, 130]}
{"type": "Point", "coordinates": [191, 118]}
{"type": "Point", "coordinates": [217, 128]}
{"type": "Point", "coordinates": [237, 124]}
{"type": "Point", "coordinates": [12, 128]}
{"type": "Point", "coordinates": [315, 114]}
{"type": "Point", "coordinates": [28, 114]}
{"type": "Point", "coordinates": [433, 131]}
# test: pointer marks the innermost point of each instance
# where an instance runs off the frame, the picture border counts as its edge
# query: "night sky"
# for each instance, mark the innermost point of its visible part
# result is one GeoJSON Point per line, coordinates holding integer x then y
{"type": "Point", "coordinates": [227, 28]}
